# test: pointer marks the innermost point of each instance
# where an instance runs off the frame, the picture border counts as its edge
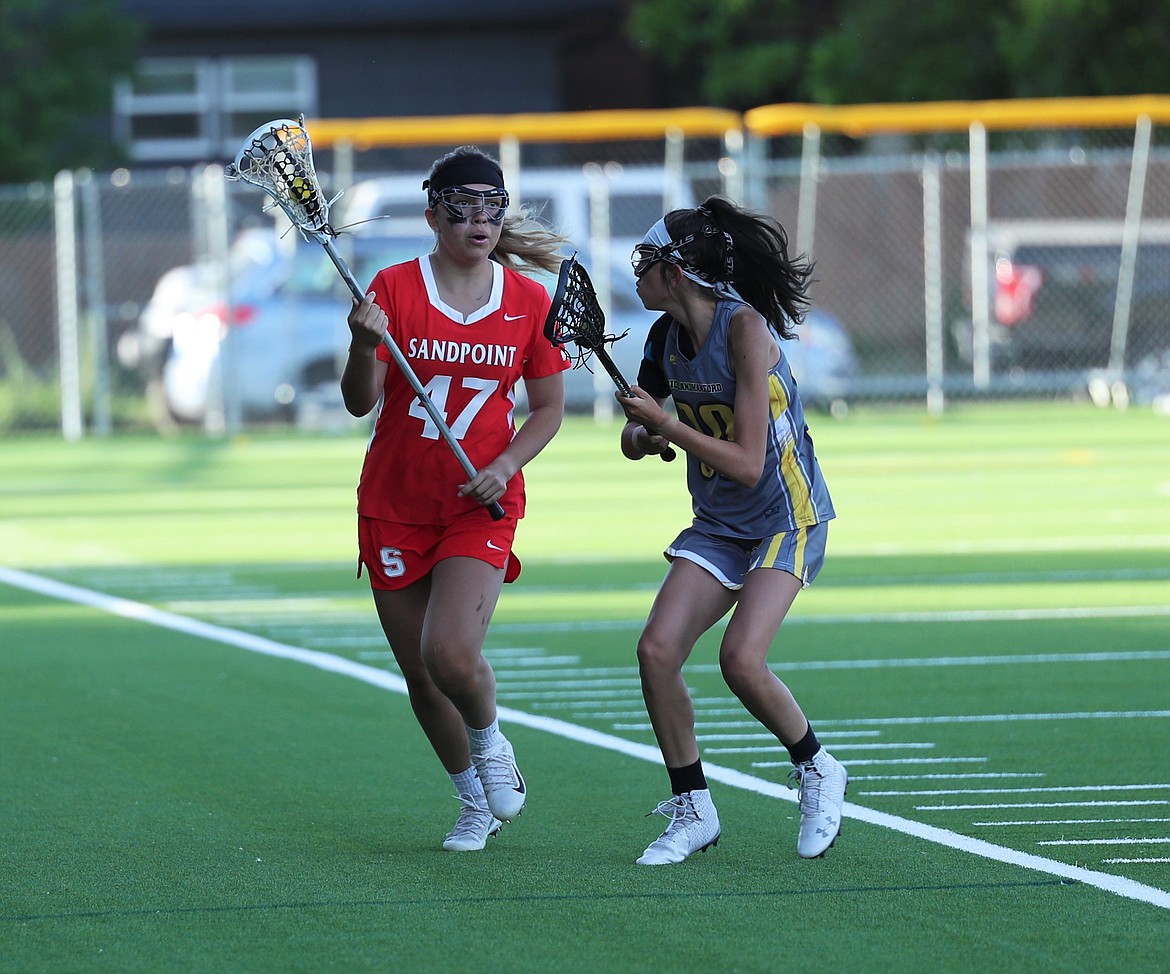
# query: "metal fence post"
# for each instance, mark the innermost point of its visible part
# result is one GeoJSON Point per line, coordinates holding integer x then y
{"type": "Point", "coordinates": [731, 166]}
{"type": "Point", "coordinates": [342, 166]}
{"type": "Point", "coordinates": [223, 401]}
{"type": "Point", "coordinates": [980, 282]}
{"type": "Point", "coordinates": [755, 176]}
{"type": "Point", "coordinates": [599, 250]}
{"type": "Point", "coordinates": [510, 167]}
{"type": "Point", "coordinates": [932, 297]}
{"type": "Point", "coordinates": [95, 302]}
{"type": "Point", "coordinates": [672, 165]}
{"type": "Point", "coordinates": [68, 344]}
{"type": "Point", "coordinates": [1129, 244]}
{"type": "Point", "coordinates": [806, 205]}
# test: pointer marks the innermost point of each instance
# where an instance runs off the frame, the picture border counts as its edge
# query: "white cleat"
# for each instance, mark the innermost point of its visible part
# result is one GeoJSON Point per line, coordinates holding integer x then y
{"type": "Point", "coordinates": [473, 827]}
{"type": "Point", "coordinates": [503, 785]}
{"type": "Point", "coordinates": [694, 827]}
{"type": "Point", "coordinates": [822, 781]}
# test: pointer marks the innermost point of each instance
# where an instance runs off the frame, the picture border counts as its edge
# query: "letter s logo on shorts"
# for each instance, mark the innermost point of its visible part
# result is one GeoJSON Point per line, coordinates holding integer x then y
{"type": "Point", "coordinates": [392, 564]}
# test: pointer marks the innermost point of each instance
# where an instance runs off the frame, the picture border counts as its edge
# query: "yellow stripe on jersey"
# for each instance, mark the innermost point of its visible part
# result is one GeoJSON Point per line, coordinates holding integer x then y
{"type": "Point", "coordinates": [773, 550]}
{"type": "Point", "coordinates": [794, 479]}
{"type": "Point", "coordinates": [777, 396]}
{"type": "Point", "coordinates": [798, 555]}
{"type": "Point", "coordinates": [773, 555]}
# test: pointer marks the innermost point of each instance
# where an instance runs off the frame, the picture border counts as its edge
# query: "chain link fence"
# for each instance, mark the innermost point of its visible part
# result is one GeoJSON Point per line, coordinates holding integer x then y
{"type": "Point", "coordinates": [952, 261]}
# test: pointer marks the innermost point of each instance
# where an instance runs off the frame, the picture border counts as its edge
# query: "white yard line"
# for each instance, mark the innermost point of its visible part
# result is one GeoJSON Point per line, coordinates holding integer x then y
{"type": "Point", "coordinates": [766, 749]}
{"type": "Point", "coordinates": [139, 611]}
{"type": "Point", "coordinates": [1018, 791]}
{"type": "Point", "coordinates": [858, 762]}
{"type": "Point", "coordinates": [866, 618]}
{"type": "Point", "coordinates": [1124, 841]}
{"type": "Point", "coordinates": [767, 736]}
{"type": "Point", "coordinates": [994, 718]}
{"type": "Point", "coordinates": [997, 775]}
{"type": "Point", "coordinates": [1074, 821]}
{"type": "Point", "coordinates": [1087, 804]}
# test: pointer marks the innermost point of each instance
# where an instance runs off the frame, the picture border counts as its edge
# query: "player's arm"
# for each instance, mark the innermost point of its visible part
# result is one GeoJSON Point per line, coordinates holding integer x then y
{"type": "Point", "coordinates": [364, 374]}
{"type": "Point", "coordinates": [741, 456]}
{"type": "Point", "coordinates": [638, 441]}
{"type": "Point", "coordinates": [546, 408]}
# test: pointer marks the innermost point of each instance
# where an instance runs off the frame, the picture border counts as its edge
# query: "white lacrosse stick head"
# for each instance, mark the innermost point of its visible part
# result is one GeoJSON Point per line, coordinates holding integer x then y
{"type": "Point", "coordinates": [278, 157]}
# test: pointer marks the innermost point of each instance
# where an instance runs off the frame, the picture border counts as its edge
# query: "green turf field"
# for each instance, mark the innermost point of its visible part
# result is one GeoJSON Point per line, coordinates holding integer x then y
{"type": "Point", "coordinates": [206, 764]}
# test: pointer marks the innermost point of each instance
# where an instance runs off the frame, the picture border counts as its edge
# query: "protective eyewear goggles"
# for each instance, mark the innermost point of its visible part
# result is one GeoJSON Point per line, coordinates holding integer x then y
{"type": "Point", "coordinates": [646, 254]}
{"type": "Point", "coordinates": [463, 203]}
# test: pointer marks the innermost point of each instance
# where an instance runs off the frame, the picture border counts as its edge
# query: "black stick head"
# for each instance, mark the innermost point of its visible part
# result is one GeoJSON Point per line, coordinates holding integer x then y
{"type": "Point", "coordinates": [575, 316]}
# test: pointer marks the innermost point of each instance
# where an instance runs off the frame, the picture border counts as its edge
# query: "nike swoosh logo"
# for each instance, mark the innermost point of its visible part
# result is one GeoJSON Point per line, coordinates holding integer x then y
{"type": "Point", "coordinates": [492, 544]}
{"type": "Point", "coordinates": [508, 317]}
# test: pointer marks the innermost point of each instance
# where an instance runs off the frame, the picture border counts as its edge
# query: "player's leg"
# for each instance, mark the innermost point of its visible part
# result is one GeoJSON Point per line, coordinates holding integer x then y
{"type": "Point", "coordinates": [770, 588]}
{"type": "Point", "coordinates": [764, 601]}
{"type": "Point", "coordinates": [398, 559]}
{"type": "Point", "coordinates": [464, 592]}
{"type": "Point", "coordinates": [463, 596]}
{"type": "Point", "coordinates": [690, 601]}
{"type": "Point", "coordinates": [401, 613]}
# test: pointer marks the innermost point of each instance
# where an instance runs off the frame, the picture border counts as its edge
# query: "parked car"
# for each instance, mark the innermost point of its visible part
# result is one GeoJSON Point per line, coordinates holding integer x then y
{"type": "Point", "coordinates": [569, 199]}
{"type": "Point", "coordinates": [183, 290]}
{"type": "Point", "coordinates": [822, 358]}
{"type": "Point", "coordinates": [279, 344]}
{"type": "Point", "coordinates": [277, 349]}
{"type": "Point", "coordinates": [1053, 286]}
{"type": "Point", "coordinates": [823, 362]}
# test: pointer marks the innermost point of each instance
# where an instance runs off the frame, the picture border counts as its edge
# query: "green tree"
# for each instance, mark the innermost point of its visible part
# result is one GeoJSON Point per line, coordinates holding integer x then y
{"type": "Point", "coordinates": [733, 53]}
{"type": "Point", "coordinates": [1088, 47]}
{"type": "Point", "coordinates": [738, 53]}
{"type": "Point", "coordinates": [58, 61]}
{"type": "Point", "coordinates": [909, 50]}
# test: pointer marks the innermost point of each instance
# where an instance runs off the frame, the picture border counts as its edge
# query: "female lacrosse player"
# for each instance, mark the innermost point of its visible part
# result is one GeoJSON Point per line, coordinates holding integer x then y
{"type": "Point", "coordinates": [728, 288]}
{"type": "Point", "coordinates": [470, 326]}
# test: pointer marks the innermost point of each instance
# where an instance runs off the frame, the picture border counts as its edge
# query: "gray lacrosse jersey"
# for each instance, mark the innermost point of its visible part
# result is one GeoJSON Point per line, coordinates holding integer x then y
{"type": "Point", "coordinates": [791, 493]}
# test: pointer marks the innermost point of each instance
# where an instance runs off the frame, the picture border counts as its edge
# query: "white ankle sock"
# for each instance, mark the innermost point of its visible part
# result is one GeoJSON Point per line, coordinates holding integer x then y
{"type": "Point", "coordinates": [467, 783]}
{"type": "Point", "coordinates": [483, 740]}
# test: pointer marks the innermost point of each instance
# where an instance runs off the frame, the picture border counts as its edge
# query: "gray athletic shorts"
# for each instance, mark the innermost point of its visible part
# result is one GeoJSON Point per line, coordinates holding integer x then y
{"type": "Point", "coordinates": [800, 552]}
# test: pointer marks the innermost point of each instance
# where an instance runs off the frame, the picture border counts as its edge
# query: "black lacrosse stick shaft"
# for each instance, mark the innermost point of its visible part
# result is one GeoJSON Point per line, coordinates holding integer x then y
{"type": "Point", "coordinates": [619, 380]}
{"type": "Point", "coordinates": [576, 316]}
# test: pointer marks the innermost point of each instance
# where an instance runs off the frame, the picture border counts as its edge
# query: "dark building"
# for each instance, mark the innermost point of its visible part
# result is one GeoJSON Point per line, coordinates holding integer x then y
{"type": "Point", "coordinates": [211, 71]}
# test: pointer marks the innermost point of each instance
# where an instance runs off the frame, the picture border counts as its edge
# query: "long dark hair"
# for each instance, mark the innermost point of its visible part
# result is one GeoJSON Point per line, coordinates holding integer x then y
{"type": "Point", "coordinates": [758, 265]}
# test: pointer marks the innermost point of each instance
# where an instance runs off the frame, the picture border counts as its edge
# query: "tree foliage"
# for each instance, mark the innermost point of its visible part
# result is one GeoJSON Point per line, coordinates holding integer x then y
{"type": "Point", "coordinates": [738, 53]}
{"type": "Point", "coordinates": [1088, 47]}
{"type": "Point", "coordinates": [58, 61]}
{"type": "Point", "coordinates": [908, 50]}
{"type": "Point", "coordinates": [734, 53]}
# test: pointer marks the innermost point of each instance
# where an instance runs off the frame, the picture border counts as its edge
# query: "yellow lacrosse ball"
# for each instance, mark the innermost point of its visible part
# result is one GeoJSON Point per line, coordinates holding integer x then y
{"type": "Point", "coordinates": [301, 189]}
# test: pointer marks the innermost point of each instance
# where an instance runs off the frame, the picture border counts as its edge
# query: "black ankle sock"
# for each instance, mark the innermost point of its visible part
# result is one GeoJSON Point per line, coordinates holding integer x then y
{"type": "Point", "coordinates": [687, 779]}
{"type": "Point", "coordinates": [805, 748]}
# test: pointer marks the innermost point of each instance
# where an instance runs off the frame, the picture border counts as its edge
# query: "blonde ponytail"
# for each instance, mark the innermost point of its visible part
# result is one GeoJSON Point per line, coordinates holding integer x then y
{"type": "Point", "coordinates": [527, 244]}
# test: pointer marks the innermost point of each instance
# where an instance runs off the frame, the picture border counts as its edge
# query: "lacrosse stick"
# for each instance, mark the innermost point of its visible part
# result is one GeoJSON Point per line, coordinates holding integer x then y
{"type": "Point", "coordinates": [278, 157]}
{"type": "Point", "coordinates": [575, 316]}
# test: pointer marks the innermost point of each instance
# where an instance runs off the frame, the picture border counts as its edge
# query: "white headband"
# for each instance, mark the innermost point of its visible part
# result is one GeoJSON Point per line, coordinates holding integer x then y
{"type": "Point", "coordinates": [659, 236]}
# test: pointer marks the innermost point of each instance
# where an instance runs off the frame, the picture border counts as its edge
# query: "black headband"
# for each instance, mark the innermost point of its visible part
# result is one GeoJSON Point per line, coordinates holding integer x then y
{"type": "Point", "coordinates": [465, 171]}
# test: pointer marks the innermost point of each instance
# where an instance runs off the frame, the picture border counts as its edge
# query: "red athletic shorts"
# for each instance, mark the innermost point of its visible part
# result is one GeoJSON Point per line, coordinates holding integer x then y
{"type": "Point", "coordinates": [397, 555]}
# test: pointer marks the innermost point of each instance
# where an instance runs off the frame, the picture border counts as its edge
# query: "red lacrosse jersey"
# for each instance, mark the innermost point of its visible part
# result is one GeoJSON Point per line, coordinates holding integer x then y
{"type": "Point", "coordinates": [469, 367]}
